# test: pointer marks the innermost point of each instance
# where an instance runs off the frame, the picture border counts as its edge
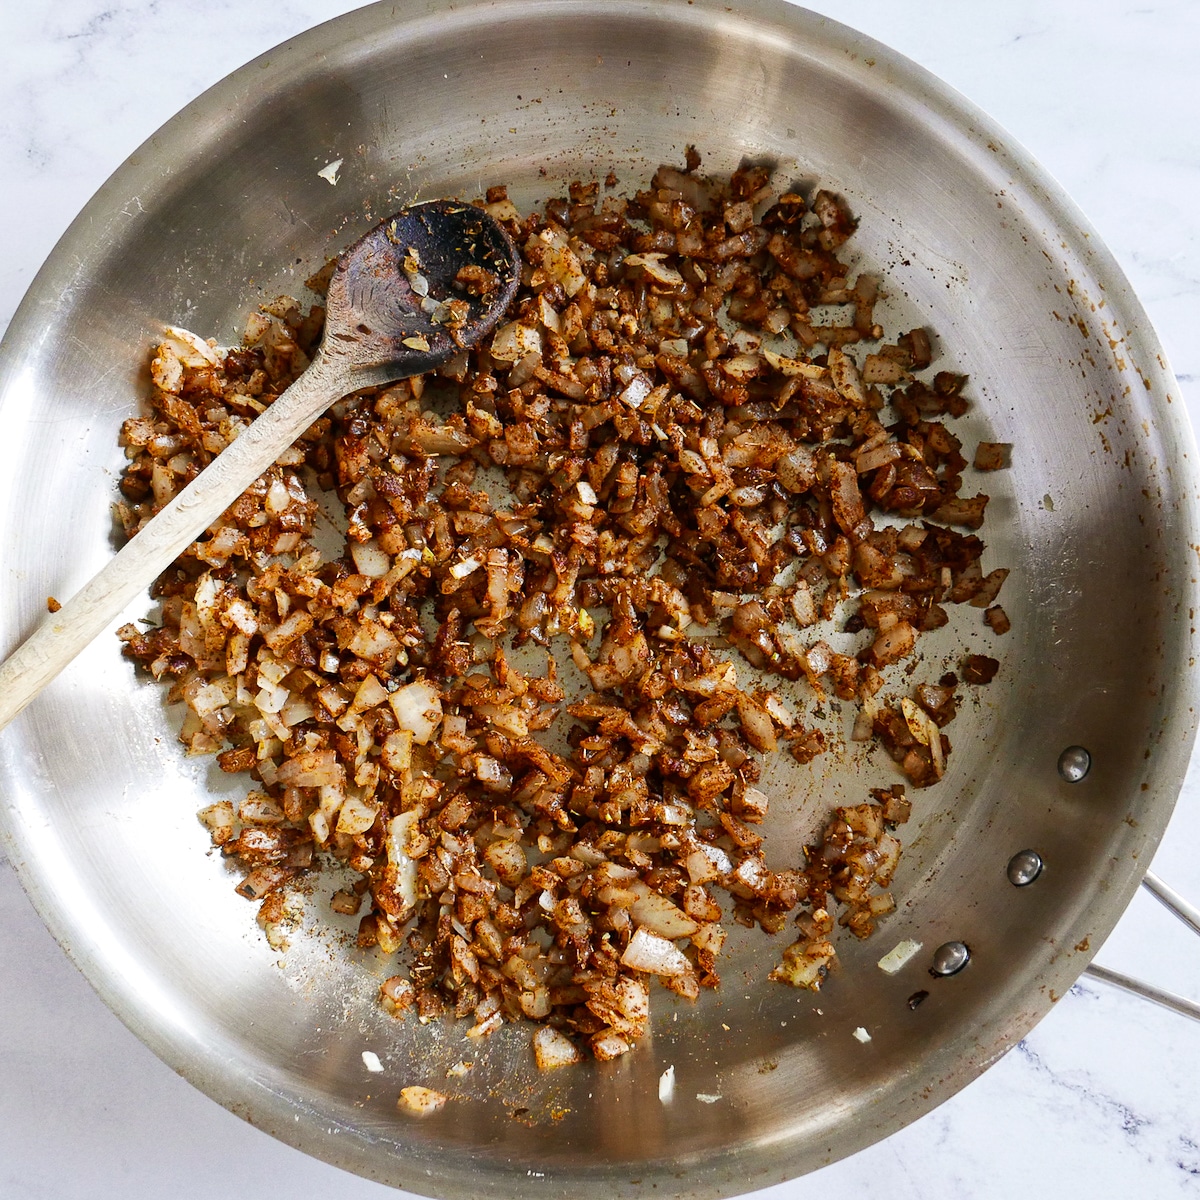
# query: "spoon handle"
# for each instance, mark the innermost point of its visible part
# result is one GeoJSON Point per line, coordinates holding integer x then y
{"type": "Point", "coordinates": [144, 557]}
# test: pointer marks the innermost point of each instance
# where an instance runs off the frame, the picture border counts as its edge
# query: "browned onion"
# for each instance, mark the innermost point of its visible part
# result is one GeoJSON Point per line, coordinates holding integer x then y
{"type": "Point", "coordinates": [657, 467]}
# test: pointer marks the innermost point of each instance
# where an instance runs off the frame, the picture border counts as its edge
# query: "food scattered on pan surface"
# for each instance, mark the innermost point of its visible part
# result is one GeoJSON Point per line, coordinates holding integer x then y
{"type": "Point", "coordinates": [899, 956]}
{"type": "Point", "coordinates": [578, 605]}
{"type": "Point", "coordinates": [420, 1101]}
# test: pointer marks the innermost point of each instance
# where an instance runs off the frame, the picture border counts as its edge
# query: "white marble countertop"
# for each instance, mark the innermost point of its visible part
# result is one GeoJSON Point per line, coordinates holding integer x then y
{"type": "Point", "coordinates": [1101, 1098]}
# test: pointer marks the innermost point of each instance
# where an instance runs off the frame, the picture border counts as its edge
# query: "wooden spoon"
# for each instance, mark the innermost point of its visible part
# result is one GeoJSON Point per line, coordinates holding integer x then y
{"type": "Point", "coordinates": [419, 287]}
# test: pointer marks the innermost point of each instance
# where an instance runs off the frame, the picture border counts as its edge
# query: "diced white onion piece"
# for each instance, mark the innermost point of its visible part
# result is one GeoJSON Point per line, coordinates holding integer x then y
{"type": "Point", "coordinates": [666, 1085]}
{"type": "Point", "coordinates": [847, 380]}
{"type": "Point", "coordinates": [271, 668]}
{"type": "Point", "coordinates": [655, 955]}
{"type": "Point", "coordinates": [794, 366]}
{"type": "Point", "coordinates": [633, 999]}
{"type": "Point", "coordinates": [898, 956]}
{"type": "Point", "coordinates": [659, 915]}
{"type": "Point", "coordinates": [191, 350]}
{"type": "Point", "coordinates": [297, 709]}
{"type": "Point", "coordinates": [371, 1062]}
{"type": "Point", "coordinates": [612, 872]}
{"type": "Point", "coordinates": [329, 172]}
{"type": "Point", "coordinates": [312, 768]}
{"type": "Point", "coordinates": [331, 797]}
{"type": "Point", "coordinates": [318, 822]}
{"type": "Point", "coordinates": [507, 859]}
{"type": "Point", "coordinates": [396, 752]}
{"type": "Point", "coordinates": [492, 773]}
{"type": "Point", "coordinates": [652, 263]}
{"type": "Point", "coordinates": [166, 371]}
{"type": "Point", "coordinates": [562, 263]}
{"type": "Point", "coordinates": [708, 1097]}
{"type": "Point", "coordinates": [710, 936]}
{"type": "Point", "coordinates": [219, 820]}
{"type": "Point", "coordinates": [400, 830]}
{"type": "Point", "coordinates": [550, 316]}
{"type": "Point", "coordinates": [355, 816]}
{"type": "Point", "coordinates": [750, 873]}
{"type": "Point", "coordinates": [636, 392]}
{"type": "Point", "coordinates": [862, 1035]}
{"type": "Point", "coordinates": [935, 749]}
{"type": "Point", "coordinates": [208, 590]}
{"type": "Point", "coordinates": [239, 614]}
{"type": "Point", "coordinates": [278, 498]}
{"type": "Point", "coordinates": [209, 698]}
{"type": "Point", "coordinates": [466, 567]}
{"type": "Point", "coordinates": [259, 808]}
{"type": "Point", "coordinates": [914, 718]}
{"type": "Point", "coordinates": [370, 560]}
{"type": "Point", "coordinates": [864, 725]}
{"type": "Point", "coordinates": [705, 863]}
{"type": "Point", "coordinates": [376, 644]}
{"type": "Point", "coordinates": [370, 693]}
{"type": "Point", "coordinates": [418, 708]}
{"type": "Point", "coordinates": [552, 1049]}
{"type": "Point", "coordinates": [333, 699]}
{"type": "Point", "coordinates": [514, 340]}
{"type": "Point", "coordinates": [420, 1101]}
{"type": "Point", "coordinates": [741, 366]}
{"type": "Point", "coordinates": [779, 710]}
{"type": "Point", "coordinates": [755, 803]}
{"type": "Point", "coordinates": [271, 698]}
{"type": "Point", "coordinates": [486, 1026]}
{"type": "Point", "coordinates": [608, 1046]}
{"type": "Point", "coordinates": [503, 210]}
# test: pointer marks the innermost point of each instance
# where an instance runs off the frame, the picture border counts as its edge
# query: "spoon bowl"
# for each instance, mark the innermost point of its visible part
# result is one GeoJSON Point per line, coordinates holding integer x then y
{"type": "Point", "coordinates": [419, 287]}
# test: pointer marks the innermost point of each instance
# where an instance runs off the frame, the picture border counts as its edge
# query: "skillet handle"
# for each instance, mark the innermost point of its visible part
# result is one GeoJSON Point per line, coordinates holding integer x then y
{"type": "Point", "coordinates": [1190, 916]}
{"type": "Point", "coordinates": [1173, 900]}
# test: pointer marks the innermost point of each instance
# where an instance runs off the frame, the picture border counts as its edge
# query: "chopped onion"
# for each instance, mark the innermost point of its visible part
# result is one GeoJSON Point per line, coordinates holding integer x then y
{"type": "Point", "coordinates": [420, 1101]}
{"type": "Point", "coordinates": [655, 955]}
{"type": "Point", "coordinates": [899, 955]}
{"type": "Point", "coordinates": [660, 916]}
{"type": "Point", "coordinates": [399, 843]}
{"type": "Point", "coordinates": [552, 1049]}
{"type": "Point", "coordinates": [697, 473]}
{"type": "Point", "coordinates": [418, 708]}
{"type": "Point", "coordinates": [370, 559]}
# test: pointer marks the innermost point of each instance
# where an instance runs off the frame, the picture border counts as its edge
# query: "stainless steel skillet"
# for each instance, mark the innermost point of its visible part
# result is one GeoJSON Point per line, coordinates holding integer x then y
{"type": "Point", "coordinates": [993, 255]}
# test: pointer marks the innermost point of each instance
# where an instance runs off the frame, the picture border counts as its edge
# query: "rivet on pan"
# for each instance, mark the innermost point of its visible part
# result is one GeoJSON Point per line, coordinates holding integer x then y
{"type": "Point", "coordinates": [1074, 763]}
{"type": "Point", "coordinates": [1024, 867]}
{"type": "Point", "coordinates": [950, 958]}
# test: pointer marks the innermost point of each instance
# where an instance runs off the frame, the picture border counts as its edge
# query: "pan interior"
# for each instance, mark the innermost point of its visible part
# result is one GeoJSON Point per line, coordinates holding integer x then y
{"type": "Point", "coordinates": [1093, 519]}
